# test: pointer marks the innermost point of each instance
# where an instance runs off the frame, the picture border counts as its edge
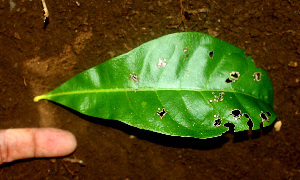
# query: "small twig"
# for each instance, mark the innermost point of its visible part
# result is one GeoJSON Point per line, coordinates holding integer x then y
{"type": "Point", "coordinates": [182, 16]}
{"type": "Point", "coordinates": [182, 19]}
{"type": "Point", "coordinates": [24, 81]}
{"type": "Point", "coordinates": [128, 48]}
{"type": "Point", "coordinates": [78, 161]}
{"type": "Point", "coordinates": [216, 3]}
{"type": "Point", "coordinates": [193, 26]}
{"type": "Point", "coordinates": [46, 14]}
{"type": "Point", "coordinates": [71, 172]}
{"type": "Point", "coordinates": [133, 27]}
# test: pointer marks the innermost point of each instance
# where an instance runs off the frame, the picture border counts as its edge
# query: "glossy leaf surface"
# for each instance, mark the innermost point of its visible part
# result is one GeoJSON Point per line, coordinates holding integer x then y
{"type": "Point", "coordinates": [182, 84]}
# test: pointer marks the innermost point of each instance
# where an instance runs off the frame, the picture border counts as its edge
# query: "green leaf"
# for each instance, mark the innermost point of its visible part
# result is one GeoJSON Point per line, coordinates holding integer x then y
{"type": "Point", "coordinates": [182, 84]}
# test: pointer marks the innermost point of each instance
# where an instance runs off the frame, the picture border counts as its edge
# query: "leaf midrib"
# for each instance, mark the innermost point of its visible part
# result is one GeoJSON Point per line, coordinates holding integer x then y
{"type": "Point", "coordinates": [46, 96]}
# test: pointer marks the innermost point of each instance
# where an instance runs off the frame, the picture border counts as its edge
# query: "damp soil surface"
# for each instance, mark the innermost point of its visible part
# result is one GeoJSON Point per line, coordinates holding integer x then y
{"type": "Point", "coordinates": [82, 34]}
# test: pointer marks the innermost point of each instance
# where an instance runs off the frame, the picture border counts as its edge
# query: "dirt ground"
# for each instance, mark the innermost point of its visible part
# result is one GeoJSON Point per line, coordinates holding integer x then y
{"type": "Point", "coordinates": [82, 34]}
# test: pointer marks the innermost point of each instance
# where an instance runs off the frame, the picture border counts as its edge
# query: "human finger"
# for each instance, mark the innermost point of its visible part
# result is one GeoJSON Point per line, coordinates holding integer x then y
{"type": "Point", "coordinates": [35, 142]}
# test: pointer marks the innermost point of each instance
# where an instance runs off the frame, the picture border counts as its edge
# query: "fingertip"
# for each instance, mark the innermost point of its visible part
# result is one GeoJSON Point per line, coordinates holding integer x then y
{"type": "Point", "coordinates": [69, 143]}
{"type": "Point", "coordinates": [51, 142]}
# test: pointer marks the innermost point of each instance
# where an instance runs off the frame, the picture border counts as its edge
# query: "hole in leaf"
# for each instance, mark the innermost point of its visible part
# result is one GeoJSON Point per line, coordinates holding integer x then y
{"type": "Point", "coordinates": [161, 113]}
{"type": "Point", "coordinates": [231, 127]}
{"type": "Point", "coordinates": [134, 77]}
{"type": "Point", "coordinates": [211, 54]}
{"type": "Point", "coordinates": [218, 122]}
{"type": "Point", "coordinates": [217, 98]}
{"type": "Point", "coordinates": [257, 76]}
{"type": "Point", "coordinates": [228, 80]}
{"type": "Point", "coordinates": [246, 115]}
{"type": "Point", "coordinates": [263, 117]}
{"type": "Point", "coordinates": [268, 113]}
{"type": "Point", "coordinates": [250, 123]}
{"type": "Point", "coordinates": [221, 98]}
{"type": "Point", "coordinates": [236, 113]}
{"type": "Point", "coordinates": [235, 75]}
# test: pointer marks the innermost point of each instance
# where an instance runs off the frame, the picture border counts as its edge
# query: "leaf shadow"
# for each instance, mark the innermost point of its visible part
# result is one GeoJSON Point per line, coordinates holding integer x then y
{"type": "Point", "coordinates": [175, 141]}
{"type": "Point", "coordinates": [162, 139]}
{"type": "Point", "coordinates": [251, 134]}
{"type": "Point", "coordinates": [157, 138]}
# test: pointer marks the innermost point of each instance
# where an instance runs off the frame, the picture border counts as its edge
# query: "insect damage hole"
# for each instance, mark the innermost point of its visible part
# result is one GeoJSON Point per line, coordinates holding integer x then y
{"type": "Point", "coordinates": [263, 117]}
{"type": "Point", "coordinates": [246, 115]}
{"type": "Point", "coordinates": [161, 113]}
{"type": "Point", "coordinates": [231, 127]}
{"type": "Point", "coordinates": [236, 114]}
{"type": "Point", "coordinates": [228, 80]}
{"type": "Point", "coordinates": [234, 75]}
{"type": "Point", "coordinates": [162, 62]}
{"type": "Point", "coordinates": [211, 54]}
{"type": "Point", "coordinates": [134, 77]}
{"type": "Point", "coordinates": [217, 98]}
{"type": "Point", "coordinates": [257, 76]}
{"type": "Point", "coordinates": [250, 123]}
{"type": "Point", "coordinates": [217, 121]}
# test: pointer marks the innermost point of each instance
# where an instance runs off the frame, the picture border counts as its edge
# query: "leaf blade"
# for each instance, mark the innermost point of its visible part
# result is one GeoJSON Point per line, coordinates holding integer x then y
{"type": "Point", "coordinates": [178, 84]}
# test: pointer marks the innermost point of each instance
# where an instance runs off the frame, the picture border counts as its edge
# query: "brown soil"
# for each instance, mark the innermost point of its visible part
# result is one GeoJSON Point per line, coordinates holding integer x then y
{"type": "Point", "coordinates": [84, 34]}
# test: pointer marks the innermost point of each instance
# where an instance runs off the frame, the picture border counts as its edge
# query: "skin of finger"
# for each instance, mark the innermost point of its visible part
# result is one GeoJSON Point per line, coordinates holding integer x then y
{"type": "Point", "coordinates": [35, 142]}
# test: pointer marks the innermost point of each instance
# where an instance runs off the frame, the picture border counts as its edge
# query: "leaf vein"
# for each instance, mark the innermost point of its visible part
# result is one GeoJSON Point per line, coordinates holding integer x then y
{"type": "Point", "coordinates": [213, 71]}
